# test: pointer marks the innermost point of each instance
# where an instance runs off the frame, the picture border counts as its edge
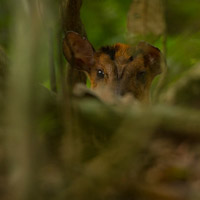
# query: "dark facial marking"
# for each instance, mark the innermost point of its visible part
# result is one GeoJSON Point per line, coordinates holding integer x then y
{"type": "Point", "coordinates": [110, 50]}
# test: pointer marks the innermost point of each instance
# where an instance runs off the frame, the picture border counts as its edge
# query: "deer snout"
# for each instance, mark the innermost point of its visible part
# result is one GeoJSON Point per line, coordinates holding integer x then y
{"type": "Point", "coordinates": [119, 92]}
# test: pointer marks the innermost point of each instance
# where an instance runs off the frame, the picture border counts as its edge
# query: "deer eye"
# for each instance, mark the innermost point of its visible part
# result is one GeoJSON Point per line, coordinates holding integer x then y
{"type": "Point", "coordinates": [100, 73]}
{"type": "Point", "coordinates": [130, 59]}
{"type": "Point", "coordinates": [141, 76]}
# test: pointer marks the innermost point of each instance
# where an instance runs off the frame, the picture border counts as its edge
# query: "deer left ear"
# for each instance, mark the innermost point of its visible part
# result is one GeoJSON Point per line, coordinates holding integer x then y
{"type": "Point", "coordinates": [78, 51]}
{"type": "Point", "coordinates": [152, 57]}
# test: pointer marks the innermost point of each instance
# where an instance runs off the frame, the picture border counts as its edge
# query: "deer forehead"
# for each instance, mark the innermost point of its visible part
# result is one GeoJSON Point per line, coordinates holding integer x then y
{"type": "Point", "coordinates": [116, 52]}
{"type": "Point", "coordinates": [117, 58]}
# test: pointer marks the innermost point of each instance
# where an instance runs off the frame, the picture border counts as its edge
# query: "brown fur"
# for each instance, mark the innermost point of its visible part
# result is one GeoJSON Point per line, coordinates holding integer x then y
{"type": "Point", "coordinates": [126, 70]}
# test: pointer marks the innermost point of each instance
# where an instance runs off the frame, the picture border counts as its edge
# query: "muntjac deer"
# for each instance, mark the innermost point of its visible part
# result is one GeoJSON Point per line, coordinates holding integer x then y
{"type": "Point", "coordinates": [120, 69]}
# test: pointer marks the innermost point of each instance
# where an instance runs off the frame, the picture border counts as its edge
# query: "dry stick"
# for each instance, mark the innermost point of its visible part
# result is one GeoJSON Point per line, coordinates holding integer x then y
{"type": "Point", "coordinates": [71, 16]}
{"type": "Point", "coordinates": [69, 118]}
{"type": "Point", "coordinates": [163, 75]}
{"type": "Point", "coordinates": [61, 65]}
{"type": "Point", "coordinates": [151, 22]}
{"type": "Point", "coordinates": [41, 6]}
{"type": "Point", "coordinates": [163, 66]}
{"type": "Point", "coordinates": [70, 13]}
{"type": "Point", "coordinates": [20, 133]}
{"type": "Point", "coordinates": [70, 10]}
{"type": "Point", "coordinates": [52, 62]}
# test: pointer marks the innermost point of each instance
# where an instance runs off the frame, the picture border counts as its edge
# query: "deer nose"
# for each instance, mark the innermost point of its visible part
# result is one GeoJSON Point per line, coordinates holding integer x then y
{"type": "Point", "coordinates": [119, 92]}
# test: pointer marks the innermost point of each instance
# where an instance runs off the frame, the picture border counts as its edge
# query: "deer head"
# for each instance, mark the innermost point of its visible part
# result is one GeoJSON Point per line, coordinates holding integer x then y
{"type": "Point", "coordinates": [120, 68]}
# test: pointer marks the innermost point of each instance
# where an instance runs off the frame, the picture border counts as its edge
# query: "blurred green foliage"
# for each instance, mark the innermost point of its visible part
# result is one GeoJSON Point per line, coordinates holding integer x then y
{"type": "Point", "coordinates": [105, 21]}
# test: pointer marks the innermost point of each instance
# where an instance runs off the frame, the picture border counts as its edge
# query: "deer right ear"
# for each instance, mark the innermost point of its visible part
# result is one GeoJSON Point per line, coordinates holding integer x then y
{"type": "Point", "coordinates": [152, 56]}
{"type": "Point", "coordinates": [78, 51]}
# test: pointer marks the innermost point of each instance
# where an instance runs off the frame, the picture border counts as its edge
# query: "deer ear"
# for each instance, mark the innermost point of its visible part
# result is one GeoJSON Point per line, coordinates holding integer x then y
{"type": "Point", "coordinates": [78, 51]}
{"type": "Point", "coordinates": [152, 57]}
